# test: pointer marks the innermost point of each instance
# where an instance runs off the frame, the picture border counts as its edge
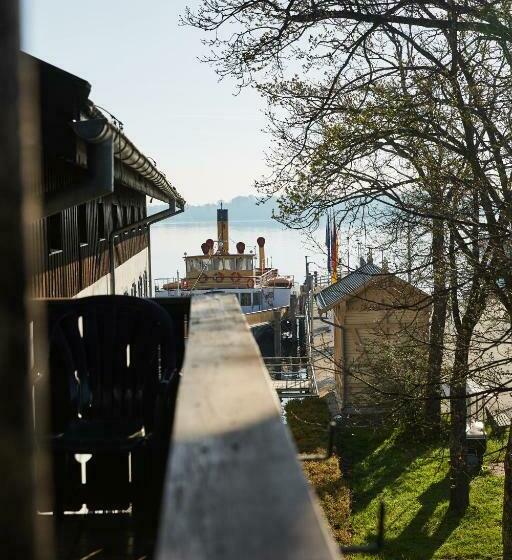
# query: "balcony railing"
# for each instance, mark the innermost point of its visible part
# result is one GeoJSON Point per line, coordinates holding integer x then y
{"type": "Point", "coordinates": [234, 487]}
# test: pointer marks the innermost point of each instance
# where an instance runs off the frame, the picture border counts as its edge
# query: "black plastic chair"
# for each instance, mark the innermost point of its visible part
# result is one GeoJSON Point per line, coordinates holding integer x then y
{"type": "Point", "coordinates": [113, 384]}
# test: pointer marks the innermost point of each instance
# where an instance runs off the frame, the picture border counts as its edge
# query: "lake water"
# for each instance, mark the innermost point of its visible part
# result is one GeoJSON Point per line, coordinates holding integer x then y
{"type": "Point", "coordinates": [285, 248]}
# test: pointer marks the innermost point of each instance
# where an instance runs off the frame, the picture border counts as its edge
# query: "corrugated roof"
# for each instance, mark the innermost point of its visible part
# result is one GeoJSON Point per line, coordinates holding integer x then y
{"type": "Point", "coordinates": [333, 294]}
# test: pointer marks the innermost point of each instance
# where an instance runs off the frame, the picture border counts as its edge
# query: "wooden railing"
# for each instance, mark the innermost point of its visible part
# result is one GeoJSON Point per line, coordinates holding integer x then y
{"type": "Point", "coordinates": [234, 488]}
{"type": "Point", "coordinates": [265, 316]}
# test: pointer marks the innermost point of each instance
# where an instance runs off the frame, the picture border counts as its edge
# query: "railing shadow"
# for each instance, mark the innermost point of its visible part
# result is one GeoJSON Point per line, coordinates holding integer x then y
{"type": "Point", "coordinates": [418, 535]}
{"type": "Point", "coordinates": [373, 457]}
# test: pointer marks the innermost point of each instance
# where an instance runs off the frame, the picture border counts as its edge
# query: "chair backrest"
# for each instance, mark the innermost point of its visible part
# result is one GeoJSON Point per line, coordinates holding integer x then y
{"type": "Point", "coordinates": [108, 356]}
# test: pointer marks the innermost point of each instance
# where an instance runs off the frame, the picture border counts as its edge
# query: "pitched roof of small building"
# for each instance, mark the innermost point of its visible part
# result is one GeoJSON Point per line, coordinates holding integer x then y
{"type": "Point", "coordinates": [352, 282]}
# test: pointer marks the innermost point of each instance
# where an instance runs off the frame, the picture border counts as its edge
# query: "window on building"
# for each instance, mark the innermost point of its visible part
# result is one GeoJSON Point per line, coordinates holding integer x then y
{"type": "Point", "coordinates": [145, 284]}
{"type": "Point", "coordinates": [82, 224]}
{"type": "Point", "coordinates": [256, 299]}
{"type": "Point", "coordinates": [134, 289]}
{"type": "Point", "coordinates": [125, 216]}
{"type": "Point", "coordinates": [115, 217]}
{"type": "Point", "coordinates": [133, 215]}
{"type": "Point", "coordinates": [54, 233]}
{"type": "Point", "coordinates": [245, 299]}
{"type": "Point", "coordinates": [101, 220]}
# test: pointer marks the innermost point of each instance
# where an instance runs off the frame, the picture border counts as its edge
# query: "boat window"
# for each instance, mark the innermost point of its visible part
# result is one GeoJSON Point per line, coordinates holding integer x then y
{"type": "Point", "coordinates": [256, 299]}
{"type": "Point", "coordinates": [228, 264]}
{"type": "Point", "coordinates": [245, 299]}
{"type": "Point", "coordinates": [217, 263]}
{"type": "Point", "coordinates": [248, 263]}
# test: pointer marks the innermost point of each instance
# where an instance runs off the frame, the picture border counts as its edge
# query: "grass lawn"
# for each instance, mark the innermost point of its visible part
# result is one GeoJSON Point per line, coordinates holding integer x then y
{"type": "Point", "coordinates": [411, 479]}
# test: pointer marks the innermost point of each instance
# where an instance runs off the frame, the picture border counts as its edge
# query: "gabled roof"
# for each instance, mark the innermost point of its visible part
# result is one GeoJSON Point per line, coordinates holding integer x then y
{"type": "Point", "coordinates": [352, 282]}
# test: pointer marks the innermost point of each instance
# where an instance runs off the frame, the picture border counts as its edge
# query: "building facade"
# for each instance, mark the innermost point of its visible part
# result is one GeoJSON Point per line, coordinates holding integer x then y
{"type": "Point", "coordinates": [369, 307]}
{"type": "Point", "coordinates": [92, 235]}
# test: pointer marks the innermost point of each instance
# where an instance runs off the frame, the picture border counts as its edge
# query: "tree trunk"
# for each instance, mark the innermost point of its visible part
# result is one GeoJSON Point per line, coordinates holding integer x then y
{"type": "Point", "coordinates": [507, 502]}
{"type": "Point", "coordinates": [459, 476]}
{"type": "Point", "coordinates": [437, 328]}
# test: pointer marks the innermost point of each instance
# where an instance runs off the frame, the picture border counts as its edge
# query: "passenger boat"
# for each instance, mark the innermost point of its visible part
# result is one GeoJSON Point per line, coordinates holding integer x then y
{"type": "Point", "coordinates": [257, 286]}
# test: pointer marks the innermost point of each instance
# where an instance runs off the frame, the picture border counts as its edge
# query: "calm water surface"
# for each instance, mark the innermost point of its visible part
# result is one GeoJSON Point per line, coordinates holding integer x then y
{"type": "Point", "coordinates": [286, 248]}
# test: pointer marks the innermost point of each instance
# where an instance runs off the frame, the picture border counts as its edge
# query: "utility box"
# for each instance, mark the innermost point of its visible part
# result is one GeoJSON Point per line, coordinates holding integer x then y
{"type": "Point", "coordinates": [476, 440]}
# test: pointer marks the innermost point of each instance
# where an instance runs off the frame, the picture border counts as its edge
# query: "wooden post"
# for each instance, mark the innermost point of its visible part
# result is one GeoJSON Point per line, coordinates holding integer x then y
{"type": "Point", "coordinates": [277, 332]}
{"type": "Point", "coordinates": [16, 489]}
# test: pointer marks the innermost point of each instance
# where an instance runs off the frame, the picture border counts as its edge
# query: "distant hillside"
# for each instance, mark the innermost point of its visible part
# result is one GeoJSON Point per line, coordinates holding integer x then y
{"type": "Point", "coordinates": [241, 208]}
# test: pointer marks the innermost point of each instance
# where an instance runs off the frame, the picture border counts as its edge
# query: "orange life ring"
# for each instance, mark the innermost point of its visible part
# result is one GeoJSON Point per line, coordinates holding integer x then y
{"type": "Point", "coordinates": [235, 277]}
{"type": "Point", "coordinates": [219, 277]}
{"type": "Point", "coordinates": [203, 278]}
{"type": "Point", "coordinates": [250, 283]}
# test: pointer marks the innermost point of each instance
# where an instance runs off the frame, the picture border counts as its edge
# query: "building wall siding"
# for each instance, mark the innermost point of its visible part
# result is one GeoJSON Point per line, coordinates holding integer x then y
{"type": "Point", "coordinates": [128, 274]}
{"type": "Point", "coordinates": [366, 318]}
{"type": "Point", "coordinates": [76, 265]}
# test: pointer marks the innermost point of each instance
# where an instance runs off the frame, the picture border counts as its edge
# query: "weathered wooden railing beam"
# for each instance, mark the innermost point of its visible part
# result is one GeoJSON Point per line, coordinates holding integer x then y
{"type": "Point", "coordinates": [256, 318]}
{"type": "Point", "coordinates": [234, 488]}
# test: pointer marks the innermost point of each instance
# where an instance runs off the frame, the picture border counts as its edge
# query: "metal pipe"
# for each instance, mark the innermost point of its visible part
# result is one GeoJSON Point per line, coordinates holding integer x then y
{"type": "Point", "coordinates": [145, 222]}
{"type": "Point", "coordinates": [99, 181]}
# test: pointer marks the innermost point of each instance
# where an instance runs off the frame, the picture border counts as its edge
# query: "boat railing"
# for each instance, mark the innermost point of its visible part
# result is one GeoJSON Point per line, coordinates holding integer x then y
{"type": "Point", "coordinates": [159, 283]}
{"type": "Point", "coordinates": [262, 279]}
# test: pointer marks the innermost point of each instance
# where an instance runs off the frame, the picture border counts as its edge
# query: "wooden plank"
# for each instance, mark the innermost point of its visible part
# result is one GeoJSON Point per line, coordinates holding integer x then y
{"type": "Point", "coordinates": [234, 488]}
{"type": "Point", "coordinates": [257, 318]}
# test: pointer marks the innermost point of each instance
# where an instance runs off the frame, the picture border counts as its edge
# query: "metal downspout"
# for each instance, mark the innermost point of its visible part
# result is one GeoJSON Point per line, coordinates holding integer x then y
{"type": "Point", "coordinates": [99, 181]}
{"type": "Point", "coordinates": [147, 221]}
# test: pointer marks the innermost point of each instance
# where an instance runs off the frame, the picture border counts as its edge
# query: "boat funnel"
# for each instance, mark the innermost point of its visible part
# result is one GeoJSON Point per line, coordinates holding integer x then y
{"type": "Point", "coordinates": [261, 244]}
{"type": "Point", "coordinates": [240, 247]}
{"type": "Point", "coordinates": [222, 230]}
{"type": "Point", "coordinates": [205, 248]}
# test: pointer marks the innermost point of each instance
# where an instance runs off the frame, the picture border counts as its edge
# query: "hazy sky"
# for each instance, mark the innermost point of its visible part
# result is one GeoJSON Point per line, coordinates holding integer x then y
{"type": "Point", "coordinates": [143, 68]}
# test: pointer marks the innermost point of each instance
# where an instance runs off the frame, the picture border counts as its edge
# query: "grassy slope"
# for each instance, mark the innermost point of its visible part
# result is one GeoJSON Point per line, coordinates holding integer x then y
{"type": "Point", "coordinates": [411, 479]}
